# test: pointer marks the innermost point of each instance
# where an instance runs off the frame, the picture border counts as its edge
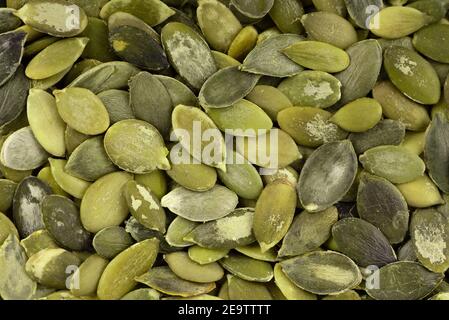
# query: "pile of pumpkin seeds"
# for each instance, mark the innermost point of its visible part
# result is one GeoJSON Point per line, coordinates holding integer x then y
{"type": "Point", "coordinates": [96, 97]}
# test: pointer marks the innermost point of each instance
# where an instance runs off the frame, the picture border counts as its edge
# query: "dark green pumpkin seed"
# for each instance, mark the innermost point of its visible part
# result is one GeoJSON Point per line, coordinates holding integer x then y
{"type": "Point", "coordinates": [12, 46]}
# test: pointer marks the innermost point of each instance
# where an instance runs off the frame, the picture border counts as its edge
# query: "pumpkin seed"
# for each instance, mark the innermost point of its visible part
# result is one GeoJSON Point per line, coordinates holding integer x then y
{"type": "Point", "coordinates": [360, 10]}
{"type": "Point", "coordinates": [70, 184]}
{"type": "Point", "coordinates": [164, 280]}
{"type": "Point", "coordinates": [178, 91]}
{"type": "Point", "coordinates": [425, 40]}
{"type": "Point", "coordinates": [103, 204]}
{"type": "Point", "coordinates": [332, 168]}
{"type": "Point", "coordinates": [286, 15]}
{"type": "Point", "coordinates": [270, 99]}
{"type": "Point", "coordinates": [136, 146]}
{"type": "Point", "coordinates": [205, 256]}
{"type": "Point", "coordinates": [290, 290]}
{"type": "Point", "coordinates": [13, 43]}
{"type": "Point", "coordinates": [210, 205]}
{"type": "Point", "coordinates": [421, 192]}
{"type": "Point", "coordinates": [435, 9]}
{"type": "Point", "coordinates": [223, 60]}
{"type": "Point", "coordinates": [252, 10]}
{"type": "Point", "coordinates": [85, 280]}
{"type": "Point", "coordinates": [8, 20]}
{"type": "Point", "coordinates": [80, 68]}
{"type": "Point", "coordinates": [142, 294]}
{"type": "Point", "coordinates": [155, 180]}
{"type": "Point", "coordinates": [247, 268]}
{"type": "Point", "coordinates": [322, 272]}
{"type": "Point", "coordinates": [239, 289]}
{"type": "Point", "coordinates": [98, 47]}
{"type": "Point", "coordinates": [396, 164]}
{"type": "Point", "coordinates": [7, 190]}
{"type": "Point", "coordinates": [358, 116]}
{"type": "Point", "coordinates": [254, 251]}
{"type": "Point", "coordinates": [177, 230]}
{"type": "Point", "coordinates": [37, 241]}
{"type": "Point", "coordinates": [117, 105]}
{"type": "Point", "coordinates": [308, 232]}
{"type": "Point", "coordinates": [119, 276]}
{"type": "Point", "coordinates": [110, 241]}
{"type": "Point", "coordinates": [243, 43]}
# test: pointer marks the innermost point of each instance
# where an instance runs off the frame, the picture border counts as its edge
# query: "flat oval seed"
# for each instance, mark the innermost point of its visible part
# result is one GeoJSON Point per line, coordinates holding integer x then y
{"type": "Point", "coordinates": [360, 77]}
{"type": "Point", "coordinates": [155, 180]}
{"type": "Point", "coordinates": [430, 236]}
{"type": "Point", "coordinates": [45, 122]}
{"type": "Point", "coordinates": [205, 255]}
{"type": "Point", "coordinates": [103, 204]}
{"type": "Point", "coordinates": [118, 277]}
{"type": "Point", "coordinates": [13, 105]}
{"type": "Point", "coordinates": [229, 232]}
{"type": "Point", "coordinates": [136, 146]}
{"type": "Point", "coordinates": [267, 59]}
{"type": "Point", "coordinates": [84, 281]}
{"type": "Point", "coordinates": [218, 24]}
{"type": "Point", "coordinates": [318, 56]}
{"type": "Point", "coordinates": [359, 115]}
{"type": "Point", "coordinates": [274, 213]}
{"type": "Point", "coordinates": [239, 289]}
{"type": "Point", "coordinates": [327, 175]}
{"type": "Point", "coordinates": [396, 22]}
{"type": "Point", "coordinates": [404, 280]}
{"type": "Point", "coordinates": [46, 176]}
{"type": "Point", "coordinates": [82, 110]}
{"type": "Point", "coordinates": [12, 45]}
{"type": "Point", "coordinates": [27, 213]}
{"type": "Point", "coordinates": [15, 283]}
{"type": "Point", "coordinates": [433, 41]}
{"type": "Point", "coordinates": [312, 88]}
{"type": "Point", "coordinates": [226, 87]}
{"type": "Point", "coordinates": [412, 75]}
{"type": "Point", "coordinates": [6, 228]}
{"type": "Point", "coordinates": [98, 47]}
{"type": "Point", "coordinates": [243, 43]}
{"type": "Point", "coordinates": [436, 151]}
{"type": "Point", "coordinates": [152, 12]}
{"type": "Point", "coordinates": [362, 242]}
{"type": "Point", "coordinates": [178, 91]}
{"type": "Point", "coordinates": [142, 294]}
{"type": "Point", "coordinates": [252, 9]}
{"type": "Point", "coordinates": [213, 204]}
{"type": "Point", "coordinates": [48, 267]}
{"type": "Point", "coordinates": [358, 10]}
{"type": "Point", "coordinates": [177, 230]}
{"type": "Point", "coordinates": [52, 17]}
{"type": "Point", "coordinates": [308, 232]}
{"type": "Point", "coordinates": [70, 184]}
{"type": "Point", "coordinates": [414, 142]}
{"type": "Point", "coordinates": [164, 280]}
{"type": "Point", "coordinates": [396, 164]}
{"type": "Point", "coordinates": [247, 268]}
{"type": "Point", "coordinates": [421, 192]}
{"type": "Point", "coordinates": [188, 53]}
{"type": "Point", "coordinates": [110, 241]}
{"type": "Point", "coordinates": [286, 15]}
{"type": "Point", "coordinates": [322, 272]}
{"type": "Point", "coordinates": [8, 20]}
{"type": "Point", "coordinates": [117, 104]}
{"type": "Point", "coordinates": [56, 58]}
{"type": "Point", "coordinates": [185, 268]}
{"type": "Point", "coordinates": [290, 290]}
{"type": "Point", "coordinates": [37, 241]}
{"type": "Point", "coordinates": [144, 206]}
{"type": "Point", "coordinates": [61, 218]}
{"type": "Point", "coordinates": [254, 251]}
{"type": "Point", "coordinates": [382, 204]}
{"type": "Point", "coordinates": [223, 60]}
{"type": "Point", "coordinates": [270, 99]}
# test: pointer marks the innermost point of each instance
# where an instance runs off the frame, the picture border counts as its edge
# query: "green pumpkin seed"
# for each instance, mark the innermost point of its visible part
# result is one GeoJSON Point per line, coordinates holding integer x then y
{"type": "Point", "coordinates": [434, 8]}
{"type": "Point", "coordinates": [286, 15]}
{"type": "Point", "coordinates": [312, 88]}
{"type": "Point", "coordinates": [362, 242]}
{"type": "Point", "coordinates": [85, 280]}
{"type": "Point", "coordinates": [247, 268]}
{"type": "Point", "coordinates": [106, 76]}
{"type": "Point", "coordinates": [151, 101]}
{"type": "Point", "coordinates": [155, 180]}
{"type": "Point", "coordinates": [144, 206]}
{"type": "Point", "coordinates": [254, 251]}
{"type": "Point", "coordinates": [398, 107]}
{"type": "Point", "coordinates": [7, 190]}
{"type": "Point", "coordinates": [243, 43]}
{"type": "Point", "coordinates": [239, 289]}
{"type": "Point", "coordinates": [360, 77]}
{"type": "Point", "coordinates": [288, 174]}
{"type": "Point", "coordinates": [188, 53]}
{"type": "Point", "coordinates": [421, 192]}
{"type": "Point", "coordinates": [103, 204]}
{"type": "Point", "coordinates": [333, 168]}
{"type": "Point", "coordinates": [396, 22]}
{"type": "Point", "coordinates": [49, 266]}
{"type": "Point", "coordinates": [164, 280]}
{"type": "Point", "coordinates": [13, 105]}
{"type": "Point", "coordinates": [49, 82]}
{"type": "Point", "coordinates": [21, 151]}
{"type": "Point", "coordinates": [213, 204]}
{"type": "Point", "coordinates": [382, 204]}
{"type": "Point", "coordinates": [70, 184]}
{"type": "Point", "coordinates": [152, 12]}
{"type": "Point", "coordinates": [404, 280]}
{"type": "Point", "coordinates": [8, 20]}
{"type": "Point", "coordinates": [322, 272]}
{"type": "Point", "coordinates": [61, 219]}
{"type": "Point", "coordinates": [73, 139]}
{"type": "Point", "coordinates": [223, 60]}
{"type": "Point", "coordinates": [430, 236]}
{"type": "Point", "coordinates": [98, 47]}
{"type": "Point", "coordinates": [396, 164]}
{"type": "Point", "coordinates": [252, 10]}
{"type": "Point", "coordinates": [142, 294]}
{"type": "Point", "coordinates": [56, 58]}
{"type": "Point", "coordinates": [267, 59]}
{"type": "Point", "coordinates": [426, 39]}
{"type": "Point", "coordinates": [290, 290]}
{"type": "Point", "coordinates": [136, 146]}
{"type": "Point", "coordinates": [270, 99]}
{"type": "Point", "coordinates": [218, 24]}
{"type": "Point", "coordinates": [82, 110]}
{"type": "Point", "coordinates": [177, 230]}
{"type": "Point", "coordinates": [186, 122]}
{"type": "Point", "coordinates": [37, 241]}
{"type": "Point", "coordinates": [436, 151]}
{"type": "Point", "coordinates": [274, 213]}
{"type": "Point", "coordinates": [80, 68]}
{"type": "Point", "coordinates": [12, 51]}
{"type": "Point", "coordinates": [330, 28]}
{"type": "Point", "coordinates": [386, 132]}
{"type": "Point", "coordinates": [308, 232]}
{"type": "Point", "coordinates": [117, 104]}
{"type": "Point", "coordinates": [118, 277]}
{"type": "Point", "coordinates": [337, 7]}
{"type": "Point", "coordinates": [187, 269]}
{"type": "Point", "coordinates": [15, 283]}
{"type": "Point", "coordinates": [178, 91]}
{"type": "Point", "coordinates": [226, 233]}
{"type": "Point", "coordinates": [359, 115]}
{"type": "Point", "coordinates": [27, 213]}
{"type": "Point", "coordinates": [401, 42]}
{"type": "Point", "coordinates": [404, 67]}
{"type": "Point", "coordinates": [110, 241]}
{"type": "Point", "coordinates": [204, 256]}
{"type": "Point", "coordinates": [361, 10]}
{"type": "Point", "coordinates": [37, 46]}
